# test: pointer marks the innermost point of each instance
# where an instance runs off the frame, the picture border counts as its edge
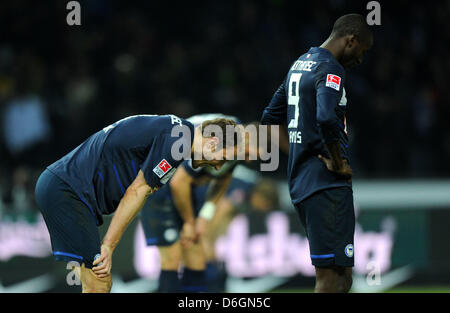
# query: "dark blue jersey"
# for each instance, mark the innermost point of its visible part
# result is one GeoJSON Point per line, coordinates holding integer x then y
{"type": "Point", "coordinates": [312, 103]}
{"type": "Point", "coordinates": [101, 168]}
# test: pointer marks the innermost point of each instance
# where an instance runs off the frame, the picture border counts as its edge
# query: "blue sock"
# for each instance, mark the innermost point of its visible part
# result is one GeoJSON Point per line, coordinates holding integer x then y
{"type": "Point", "coordinates": [193, 281]}
{"type": "Point", "coordinates": [215, 277]}
{"type": "Point", "coordinates": [169, 281]}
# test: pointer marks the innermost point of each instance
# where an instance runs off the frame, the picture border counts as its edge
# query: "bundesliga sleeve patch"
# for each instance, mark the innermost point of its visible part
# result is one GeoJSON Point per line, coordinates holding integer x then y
{"type": "Point", "coordinates": [333, 81]}
{"type": "Point", "coordinates": [162, 168]}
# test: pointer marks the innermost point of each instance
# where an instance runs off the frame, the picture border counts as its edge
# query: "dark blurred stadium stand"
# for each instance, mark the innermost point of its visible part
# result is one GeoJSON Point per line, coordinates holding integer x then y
{"type": "Point", "coordinates": [60, 83]}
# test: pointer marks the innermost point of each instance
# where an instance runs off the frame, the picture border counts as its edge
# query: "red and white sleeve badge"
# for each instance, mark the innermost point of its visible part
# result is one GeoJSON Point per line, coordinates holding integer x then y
{"type": "Point", "coordinates": [333, 81]}
{"type": "Point", "coordinates": [162, 168]}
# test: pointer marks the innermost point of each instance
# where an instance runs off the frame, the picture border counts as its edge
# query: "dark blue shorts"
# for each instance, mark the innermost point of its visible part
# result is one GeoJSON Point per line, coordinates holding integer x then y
{"type": "Point", "coordinates": [160, 218]}
{"type": "Point", "coordinates": [72, 227]}
{"type": "Point", "coordinates": [329, 220]}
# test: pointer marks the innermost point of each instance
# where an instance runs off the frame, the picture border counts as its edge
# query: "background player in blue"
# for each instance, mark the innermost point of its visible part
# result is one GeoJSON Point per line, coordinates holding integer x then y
{"type": "Point", "coordinates": [164, 225]}
{"type": "Point", "coordinates": [115, 170]}
{"type": "Point", "coordinates": [312, 102]}
{"type": "Point", "coordinates": [247, 193]}
{"type": "Point", "coordinates": [170, 218]}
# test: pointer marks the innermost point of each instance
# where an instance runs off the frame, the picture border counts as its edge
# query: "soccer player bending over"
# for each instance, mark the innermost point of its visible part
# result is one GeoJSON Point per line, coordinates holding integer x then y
{"type": "Point", "coordinates": [175, 218]}
{"type": "Point", "coordinates": [312, 102]}
{"type": "Point", "coordinates": [114, 171]}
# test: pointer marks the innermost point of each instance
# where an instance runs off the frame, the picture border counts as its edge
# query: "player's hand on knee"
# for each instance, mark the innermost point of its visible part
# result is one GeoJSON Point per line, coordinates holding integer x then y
{"type": "Point", "coordinates": [188, 235]}
{"type": "Point", "coordinates": [103, 264]}
{"type": "Point", "coordinates": [200, 226]}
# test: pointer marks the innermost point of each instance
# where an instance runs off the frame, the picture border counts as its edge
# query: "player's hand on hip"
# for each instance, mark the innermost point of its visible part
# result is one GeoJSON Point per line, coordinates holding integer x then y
{"type": "Point", "coordinates": [188, 236]}
{"type": "Point", "coordinates": [103, 264]}
{"type": "Point", "coordinates": [345, 170]}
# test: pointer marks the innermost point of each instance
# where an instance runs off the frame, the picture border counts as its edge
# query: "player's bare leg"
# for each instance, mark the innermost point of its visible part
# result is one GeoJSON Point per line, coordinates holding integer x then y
{"type": "Point", "coordinates": [91, 283]}
{"type": "Point", "coordinates": [333, 279]}
{"type": "Point", "coordinates": [194, 256]}
{"type": "Point", "coordinates": [215, 277]}
{"type": "Point", "coordinates": [194, 276]}
{"type": "Point", "coordinates": [170, 256]}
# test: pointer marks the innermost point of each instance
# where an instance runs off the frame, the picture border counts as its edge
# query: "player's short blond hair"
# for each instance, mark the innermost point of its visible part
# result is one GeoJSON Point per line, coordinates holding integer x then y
{"type": "Point", "coordinates": [226, 139]}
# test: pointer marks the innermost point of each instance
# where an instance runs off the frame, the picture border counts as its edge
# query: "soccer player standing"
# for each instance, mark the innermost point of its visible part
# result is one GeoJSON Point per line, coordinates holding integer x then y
{"type": "Point", "coordinates": [312, 102]}
{"type": "Point", "coordinates": [114, 171]}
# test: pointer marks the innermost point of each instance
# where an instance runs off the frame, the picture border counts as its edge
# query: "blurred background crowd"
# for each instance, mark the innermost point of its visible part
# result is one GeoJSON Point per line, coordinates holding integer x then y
{"type": "Point", "coordinates": [59, 83]}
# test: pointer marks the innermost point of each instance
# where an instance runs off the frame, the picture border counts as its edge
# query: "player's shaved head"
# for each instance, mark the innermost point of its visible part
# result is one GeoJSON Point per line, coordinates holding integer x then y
{"type": "Point", "coordinates": [349, 40]}
{"type": "Point", "coordinates": [353, 24]}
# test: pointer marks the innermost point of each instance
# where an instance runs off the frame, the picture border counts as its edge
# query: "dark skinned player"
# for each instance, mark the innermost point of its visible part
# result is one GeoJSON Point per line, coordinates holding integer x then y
{"type": "Point", "coordinates": [312, 103]}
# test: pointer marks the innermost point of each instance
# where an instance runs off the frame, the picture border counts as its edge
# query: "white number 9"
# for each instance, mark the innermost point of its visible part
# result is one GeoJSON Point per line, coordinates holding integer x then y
{"type": "Point", "coordinates": [293, 97]}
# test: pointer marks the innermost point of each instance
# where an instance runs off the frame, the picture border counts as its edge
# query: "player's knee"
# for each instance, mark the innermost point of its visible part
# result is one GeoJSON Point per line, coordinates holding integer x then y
{"type": "Point", "coordinates": [170, 257]}
{"type": "Point", "coordinates": [98, 285]}
{"type": "Point", "coordinates": [194, 257]}
{"type": "Point", "coordinates": [345, 279]}
{"type": "Point", "coordinates": [327, 280]}
{"type": "Point", "coordinates": [333, 280]}
{"type": "Point", "coordinates": [169, 264]}
{"type": "Point", "coordinates": [325, 283]}
{"type": "Point", "coordinates": [105, 284]}
{"type": "Point", "coordinates": [195, 263]}
{"type": "Point", "coordinates": [102, 285]}
{"type": "Point", "coordinates": [346, 283]}
{"type": "Point", "coordinates": [208, 247]}
{"type": "Point", "coordinates": [91, 283]}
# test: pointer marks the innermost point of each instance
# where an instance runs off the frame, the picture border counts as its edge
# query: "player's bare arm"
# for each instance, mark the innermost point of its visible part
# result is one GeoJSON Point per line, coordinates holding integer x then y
{"type": "Point", "coordinates": [215, 192]}
{"type": "Point", "coordinates": [180, 185]}
{"type": "Point", "coordinates": [128, 208]}
{"type": "Point", "coordinates": [218, 187]}
{"type": "Point", "coordinates": [219, 223]}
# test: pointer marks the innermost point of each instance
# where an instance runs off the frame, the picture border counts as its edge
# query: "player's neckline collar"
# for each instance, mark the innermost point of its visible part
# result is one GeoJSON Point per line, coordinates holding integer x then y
{"type": "Point", "coordinates": [322, 49]}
